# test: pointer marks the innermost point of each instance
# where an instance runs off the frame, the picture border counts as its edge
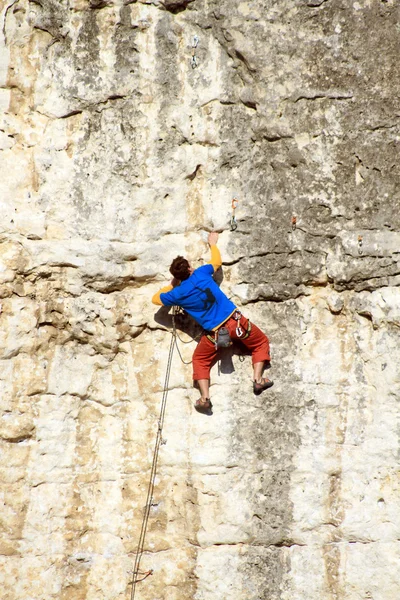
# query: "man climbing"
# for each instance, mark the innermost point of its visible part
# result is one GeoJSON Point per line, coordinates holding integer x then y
{"type": "Point", "coordinates": [196, 292]}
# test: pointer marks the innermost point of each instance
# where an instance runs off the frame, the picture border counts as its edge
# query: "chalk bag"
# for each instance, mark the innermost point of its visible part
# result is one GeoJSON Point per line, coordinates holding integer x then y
{"type": "Point", "coordinates": [223, 339]}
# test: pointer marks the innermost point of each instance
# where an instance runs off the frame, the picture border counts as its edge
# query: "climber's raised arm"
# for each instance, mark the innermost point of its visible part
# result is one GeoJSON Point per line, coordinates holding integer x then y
{"type": "Point", "coordinates": [156, 298]}
{"type": "Point", "coordinates": [181, 266]}
{"type": "Point", "coordinates": [216, 260]}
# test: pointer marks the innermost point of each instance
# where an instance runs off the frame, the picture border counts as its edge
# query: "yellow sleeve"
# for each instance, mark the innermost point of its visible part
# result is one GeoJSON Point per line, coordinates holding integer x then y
{"type": "Point", "coordinates": [156, 298]}
{"type": "Point", "coordinates": [216, 260]}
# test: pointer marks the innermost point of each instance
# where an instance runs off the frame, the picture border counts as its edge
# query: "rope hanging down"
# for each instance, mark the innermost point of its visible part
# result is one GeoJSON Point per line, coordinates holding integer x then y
{"type": "Point", "coordinates": [159, 442]}
{"type": "Point", "coordinates": [175, 333]}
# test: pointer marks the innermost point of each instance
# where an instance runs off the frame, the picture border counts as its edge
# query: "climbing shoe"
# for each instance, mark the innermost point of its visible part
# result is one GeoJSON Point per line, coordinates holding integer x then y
{"type": "Point", "coordinates": [263, 385]}
{"type": "Point", "coordinates": [203, 406]}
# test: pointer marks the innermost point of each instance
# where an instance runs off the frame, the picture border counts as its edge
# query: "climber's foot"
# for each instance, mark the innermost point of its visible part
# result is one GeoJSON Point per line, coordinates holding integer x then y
{"type": "Point", "coordinates": [260, 386]}
{"type": "Point", "coordinates": [203, 405]}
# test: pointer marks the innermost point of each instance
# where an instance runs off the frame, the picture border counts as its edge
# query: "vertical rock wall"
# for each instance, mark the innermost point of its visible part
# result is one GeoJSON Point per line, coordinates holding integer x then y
{"type": "Point", "coordinates": [123, 140]}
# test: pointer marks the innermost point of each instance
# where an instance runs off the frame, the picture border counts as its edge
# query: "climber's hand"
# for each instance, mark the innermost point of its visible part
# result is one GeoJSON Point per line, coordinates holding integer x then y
{"type": "Point", "coordinates": [213, 238]}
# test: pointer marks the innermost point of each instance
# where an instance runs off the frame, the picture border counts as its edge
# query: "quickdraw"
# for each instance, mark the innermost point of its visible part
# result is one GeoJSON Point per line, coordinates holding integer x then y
{"type": "Point", "coordinates": [234, 224]}
{"type": "Point", "coordinates": [360, 244]}
{"type": "Point", "coordinates": [145, 575]}
{"type": "Point", "coordinates": [241, 334]}
{"type": "Point", "coordinates": [195, 43]}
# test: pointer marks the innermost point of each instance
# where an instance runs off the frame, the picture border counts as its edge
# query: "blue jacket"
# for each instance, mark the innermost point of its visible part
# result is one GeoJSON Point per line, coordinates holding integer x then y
{"type": "Point", "coordinates": [201, 297]}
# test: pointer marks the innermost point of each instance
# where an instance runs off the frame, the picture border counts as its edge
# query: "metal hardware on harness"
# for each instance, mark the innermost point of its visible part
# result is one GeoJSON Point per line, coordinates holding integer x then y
{"type": "Point", "coordinates": [195, 43]}
{"type": "Point", "coordinates": [294, 222]}
{"type": "Point", "coordinates": [237, 316]}
{"type": "Point", "coordinates": [360, 244]}
{"type": "Point", "coordinates": [234, 225]}
{"type": "Point", "coordinates": [241, 334]}
{"type": "Point", "coordinates": [239, 331]}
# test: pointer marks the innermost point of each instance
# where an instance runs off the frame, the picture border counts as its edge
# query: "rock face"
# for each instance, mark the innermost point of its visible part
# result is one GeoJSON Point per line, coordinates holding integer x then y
{"type": "Point", "coordinates": [126, 129]}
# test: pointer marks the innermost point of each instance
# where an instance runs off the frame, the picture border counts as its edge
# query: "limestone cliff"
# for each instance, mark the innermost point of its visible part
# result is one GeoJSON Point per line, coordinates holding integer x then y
{"type": "Point", "coordinates": [126, 128]}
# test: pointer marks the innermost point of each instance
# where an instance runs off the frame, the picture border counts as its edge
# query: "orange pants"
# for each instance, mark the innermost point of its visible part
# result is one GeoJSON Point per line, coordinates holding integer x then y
{"type": "Point", "coordinates": [205, 354]}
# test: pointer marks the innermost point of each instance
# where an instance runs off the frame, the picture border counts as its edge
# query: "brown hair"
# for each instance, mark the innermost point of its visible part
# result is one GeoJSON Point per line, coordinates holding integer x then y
{"type": "Point", "coordinates": [180, 268]}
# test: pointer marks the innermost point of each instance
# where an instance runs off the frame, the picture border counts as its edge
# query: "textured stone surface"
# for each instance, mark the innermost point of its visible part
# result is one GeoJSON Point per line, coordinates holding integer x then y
{"type": "Point", "coordinates": [123, 139]}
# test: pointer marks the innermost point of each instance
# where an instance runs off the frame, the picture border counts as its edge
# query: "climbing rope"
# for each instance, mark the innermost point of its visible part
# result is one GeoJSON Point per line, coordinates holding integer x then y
{"type": "Point", "coordinates": [150, 491]}
{"type": "Point", "coordinates": [159, 442]}
{"type": "Point", "coordinates": [177, 337]}
{"type": "Point", "coordinates": [176, 312]}
{"type": "Point", "coordinates": [185, 362]}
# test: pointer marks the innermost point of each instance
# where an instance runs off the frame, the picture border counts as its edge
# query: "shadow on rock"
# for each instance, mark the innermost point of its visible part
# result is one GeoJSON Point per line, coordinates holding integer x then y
{"type": "Point", "coordinates": [183, 322]}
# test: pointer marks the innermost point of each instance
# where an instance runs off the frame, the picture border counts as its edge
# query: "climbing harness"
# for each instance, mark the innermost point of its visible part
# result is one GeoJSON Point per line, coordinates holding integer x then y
{"type": "Point", "coordinates": [234, 225]}
{"type": "Point", "coordinates": [360, 244]}
{"type": "Point", "coordinates": [195, 43]}
{"type": "Point", "coordinates": [149, 501]}
{"type": "Point", "coordinates": [221, 338]}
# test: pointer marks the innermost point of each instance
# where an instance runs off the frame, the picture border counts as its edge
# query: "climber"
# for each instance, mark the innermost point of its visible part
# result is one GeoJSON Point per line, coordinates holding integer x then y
{"type": "Point", "coordinates": [196, 292]}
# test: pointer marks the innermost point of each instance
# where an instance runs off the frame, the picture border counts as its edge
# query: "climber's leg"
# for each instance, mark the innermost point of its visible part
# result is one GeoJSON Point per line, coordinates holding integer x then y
{"type": "Point", "coordinates": [258, 368]}
{"type": "Point", "coordinates": [203, 358]}
{"type": "Point", "coordinates": [258, 344]}
{"type": "Point", "coordinates": [204, 385]}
